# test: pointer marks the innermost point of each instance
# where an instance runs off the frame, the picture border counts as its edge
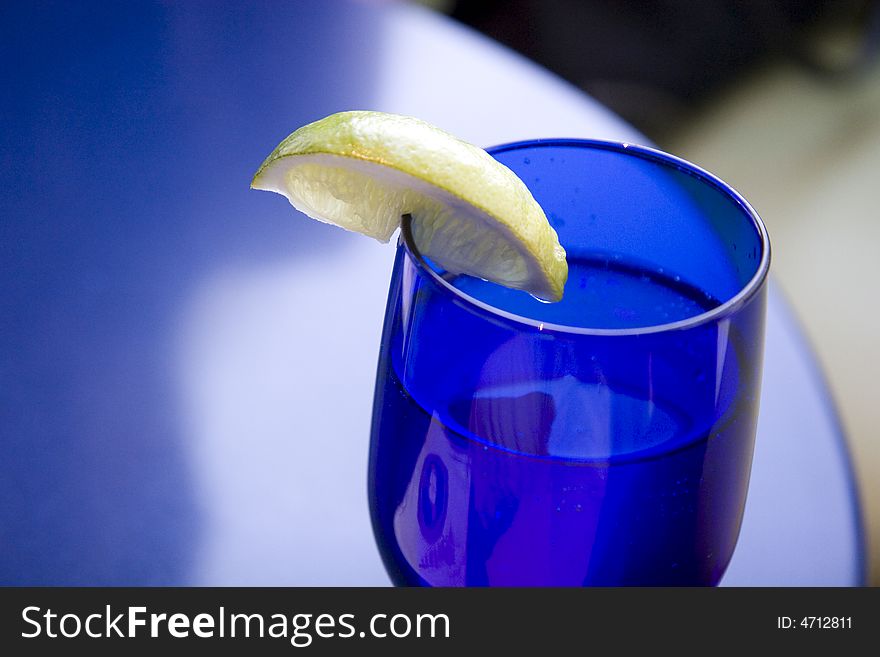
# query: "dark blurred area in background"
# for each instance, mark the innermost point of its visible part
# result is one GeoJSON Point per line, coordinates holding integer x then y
{"type": "Point", "coordinates": [655, 62]}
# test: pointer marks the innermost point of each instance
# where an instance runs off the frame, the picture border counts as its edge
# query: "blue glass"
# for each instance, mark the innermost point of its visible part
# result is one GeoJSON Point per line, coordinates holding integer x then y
{"type": "Point", "coordinates": [603, 440]}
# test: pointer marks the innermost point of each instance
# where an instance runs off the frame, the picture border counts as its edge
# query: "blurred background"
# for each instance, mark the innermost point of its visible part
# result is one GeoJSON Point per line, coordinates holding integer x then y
{"type": "Point", "coordinates": [781, 99]}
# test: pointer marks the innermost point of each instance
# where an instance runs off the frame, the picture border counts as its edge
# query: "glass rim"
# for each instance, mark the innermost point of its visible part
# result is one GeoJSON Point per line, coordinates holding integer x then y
{"type": "Point", "coordinates": [719, 312]}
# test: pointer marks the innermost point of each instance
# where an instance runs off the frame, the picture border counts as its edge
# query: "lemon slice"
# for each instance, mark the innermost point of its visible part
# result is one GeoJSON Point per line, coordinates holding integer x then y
{"type": "Point", "coordinates": [470, 214]}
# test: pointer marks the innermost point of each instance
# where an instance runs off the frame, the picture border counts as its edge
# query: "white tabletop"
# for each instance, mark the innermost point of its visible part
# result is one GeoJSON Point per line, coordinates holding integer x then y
{"type": "Point", "coordinates": [794, 532]}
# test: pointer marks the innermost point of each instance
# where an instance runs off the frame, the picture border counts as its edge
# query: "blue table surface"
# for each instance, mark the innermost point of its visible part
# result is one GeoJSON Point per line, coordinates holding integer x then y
{"type": "Point", "coordinates": [186, 366]}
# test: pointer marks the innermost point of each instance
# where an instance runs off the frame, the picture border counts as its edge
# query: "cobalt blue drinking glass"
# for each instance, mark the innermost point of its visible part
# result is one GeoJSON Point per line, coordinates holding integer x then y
{"type": "Point", "coordinates": [603, 440]}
